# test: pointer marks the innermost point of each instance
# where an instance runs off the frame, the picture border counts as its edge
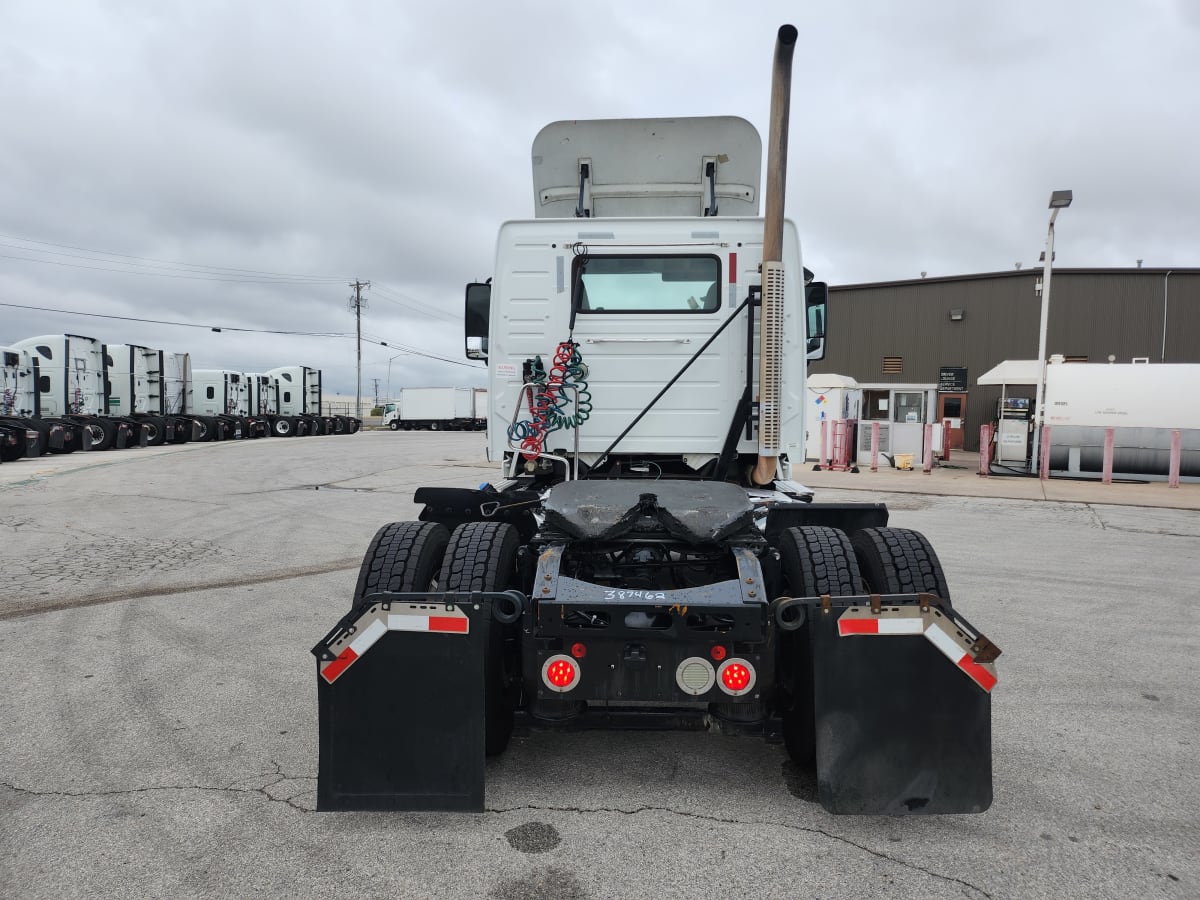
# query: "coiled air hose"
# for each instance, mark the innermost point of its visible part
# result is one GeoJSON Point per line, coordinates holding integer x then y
{"type": "Point", "coordinates": [563, 384]}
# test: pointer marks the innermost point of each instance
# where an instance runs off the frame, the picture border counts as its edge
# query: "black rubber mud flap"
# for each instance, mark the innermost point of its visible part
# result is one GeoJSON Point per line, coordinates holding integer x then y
{"type": "Point", "coordinates": [400, 693]}
{"type": "Point", "coordinates": [901, 729]}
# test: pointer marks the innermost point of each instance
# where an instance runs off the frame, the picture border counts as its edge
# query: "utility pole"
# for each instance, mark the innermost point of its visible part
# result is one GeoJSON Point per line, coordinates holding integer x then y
{"type": "Point", "coordinates": [357, 303]}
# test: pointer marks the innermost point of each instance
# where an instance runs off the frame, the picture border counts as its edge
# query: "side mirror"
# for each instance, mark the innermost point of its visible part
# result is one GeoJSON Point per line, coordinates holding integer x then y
{"type": "Point", "coordinates": [816, 303]}
{"type": "Point", "coordinates": [475, 320]}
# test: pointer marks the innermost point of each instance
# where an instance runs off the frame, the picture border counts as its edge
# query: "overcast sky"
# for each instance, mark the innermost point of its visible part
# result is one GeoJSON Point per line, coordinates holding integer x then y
{"type": "Point", "coordinates": [159, 157]}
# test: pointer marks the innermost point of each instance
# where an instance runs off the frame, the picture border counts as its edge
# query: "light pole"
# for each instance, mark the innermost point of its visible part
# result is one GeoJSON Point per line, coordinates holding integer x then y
{"type": "Point", "coordinates": [392, 399]}
{"type": "Point", "coordinates": [1058, 200]}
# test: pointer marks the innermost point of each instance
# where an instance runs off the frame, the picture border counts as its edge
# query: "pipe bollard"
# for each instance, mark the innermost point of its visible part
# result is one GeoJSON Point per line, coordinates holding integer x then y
{"type": "Point", "coordinates": [874, 446]}
{"type": "Point", "coordinates": [1109, 440]}
{"type": "Point", "coordinates": [1044, 460]}
{"type": "Point", "coordinates": [821, 464]}
{"type": "Point", "coordinates": [1176, 454]}
{"type": "Point", "coordinates": [945, 440]}
{"type": "Point", "coordinates": [985, 450]}
{"type": "Point", "coordinates": [928, 467]}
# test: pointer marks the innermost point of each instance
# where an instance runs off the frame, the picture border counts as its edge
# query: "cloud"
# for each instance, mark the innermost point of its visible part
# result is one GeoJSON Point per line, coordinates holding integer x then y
{"type": "Point", "coordinates": [387, 141]}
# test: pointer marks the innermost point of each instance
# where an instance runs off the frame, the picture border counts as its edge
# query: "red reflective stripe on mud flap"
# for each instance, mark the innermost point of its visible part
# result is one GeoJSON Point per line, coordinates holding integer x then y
{"type": "Point", "coordinates": [978, 673]}
{"type": "Point", "coordinates": [339, 665]}
{"type": "Point", "coordinates": [857, 626]}
{"type": "Point", "coordinates": [456, 624]}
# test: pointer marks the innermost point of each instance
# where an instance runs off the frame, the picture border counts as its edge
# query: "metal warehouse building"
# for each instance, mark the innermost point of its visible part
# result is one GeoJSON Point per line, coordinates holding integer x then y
{"type": "Point", "coordinates": [909, 332]}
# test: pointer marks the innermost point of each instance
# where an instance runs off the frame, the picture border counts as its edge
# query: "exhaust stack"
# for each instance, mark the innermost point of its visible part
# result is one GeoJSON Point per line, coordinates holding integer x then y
{"type": "Point", "coordinates": [770, 355]}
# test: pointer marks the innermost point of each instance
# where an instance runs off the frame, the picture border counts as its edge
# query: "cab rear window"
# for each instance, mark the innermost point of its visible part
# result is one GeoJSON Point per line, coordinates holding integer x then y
{"type": "Point", "coordinates": [647, 284]}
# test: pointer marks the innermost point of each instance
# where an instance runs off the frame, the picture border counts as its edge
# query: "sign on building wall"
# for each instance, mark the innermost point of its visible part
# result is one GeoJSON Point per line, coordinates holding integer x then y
{"type": "Point", "coordinates": [952, 379]}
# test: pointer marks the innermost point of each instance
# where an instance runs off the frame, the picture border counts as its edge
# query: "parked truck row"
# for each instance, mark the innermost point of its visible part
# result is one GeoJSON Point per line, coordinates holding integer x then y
{"type": "Point", "coordinates": [438, 409]}
{"type": "Point", "coordinates": [62, 393]}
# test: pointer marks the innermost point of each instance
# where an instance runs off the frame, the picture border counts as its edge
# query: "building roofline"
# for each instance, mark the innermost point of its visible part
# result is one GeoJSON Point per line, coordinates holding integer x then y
{"type": "Point", "coordinates": [1018, 273]}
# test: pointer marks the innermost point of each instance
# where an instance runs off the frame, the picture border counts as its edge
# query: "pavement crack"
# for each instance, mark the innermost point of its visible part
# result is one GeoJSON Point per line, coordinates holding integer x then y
{"type": "Point", "coordinates": [167, 590]}
{"type": "Point", "coordinates": [275, 777]}
{"type": "Point", "coordinates": [1099, 519]}
{"type": "Point", "coordinates": [722, 820]}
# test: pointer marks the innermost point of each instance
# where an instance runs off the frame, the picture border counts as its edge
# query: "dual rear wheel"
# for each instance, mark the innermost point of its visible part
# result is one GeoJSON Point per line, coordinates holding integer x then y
{"type": "Point", "coordinates": [818, 560]}
{"type": "Point", "coordinates": [415, 557]}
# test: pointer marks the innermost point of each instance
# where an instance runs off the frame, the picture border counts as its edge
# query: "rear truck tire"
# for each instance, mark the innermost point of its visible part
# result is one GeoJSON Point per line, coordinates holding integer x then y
{"type": "Point", "coordinates": [816, 560]}
{"type": "Point", "coordinates": [156, 431]}
{"type": "Point", "coordinates": [899, 561]}
{"type": "Point", "coordinates": [403, 557]}
{"type": "Point", "coordinates": [104, 434]}
{"type": "Point", "coordinates": [282, 427]}
{"type": "Point", "coordinates": [482, 556]}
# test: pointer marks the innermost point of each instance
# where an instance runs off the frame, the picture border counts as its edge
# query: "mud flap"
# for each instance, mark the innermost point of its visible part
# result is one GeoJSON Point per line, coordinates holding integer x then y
{"type": "Point", "coordinates": [902, 707]}
{"type": "Point", "coordinates": [400, 694]}
{"type": "Point", "coordinates": [57, 441]}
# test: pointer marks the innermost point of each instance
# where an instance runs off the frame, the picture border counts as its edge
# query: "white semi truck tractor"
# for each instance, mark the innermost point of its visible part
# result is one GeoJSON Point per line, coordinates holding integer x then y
{"type": "Point", "coordinates": [643, 558]}
{"type": "Point", "coordinates": [71, 386]}
{"type": "Point", "coordinates": [22, 432]}
{"type": "Point", "coordinates": [138, 387]}
{"type": "Point", "coordinates": [300, 405]}
{"type": "Point", "coordinates": [219, 397]}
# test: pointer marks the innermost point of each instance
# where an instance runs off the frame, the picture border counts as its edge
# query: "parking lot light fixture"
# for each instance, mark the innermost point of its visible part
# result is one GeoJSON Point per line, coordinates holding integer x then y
{"type": "Point", "coordinates": [1058, 200]}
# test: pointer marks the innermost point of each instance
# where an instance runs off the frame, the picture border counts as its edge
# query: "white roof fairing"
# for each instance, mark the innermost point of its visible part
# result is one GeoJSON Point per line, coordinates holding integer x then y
{"type": "Point", "coordinates": [647, 167]}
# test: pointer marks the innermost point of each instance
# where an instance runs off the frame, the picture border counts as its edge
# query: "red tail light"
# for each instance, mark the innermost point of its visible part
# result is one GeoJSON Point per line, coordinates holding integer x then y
{"type": "Point", "coordinates": [736, 677]}
{"type": "Point", "coordinates": [560, 673]}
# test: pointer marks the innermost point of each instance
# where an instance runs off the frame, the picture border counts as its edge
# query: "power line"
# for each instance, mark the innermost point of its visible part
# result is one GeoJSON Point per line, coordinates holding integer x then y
{"type": "Point", "coordinates": [212, 277]}
{"type": "Point", "coordinates": [414, 352]}
{"type": "Point", "coordinates": [332, 334]}
{"type": "Point", "coordinates": [73, 312]}
{"type": "Point", "coordinates": [402, 299]}
{"type": "Point", "coordinates": [218, 269]}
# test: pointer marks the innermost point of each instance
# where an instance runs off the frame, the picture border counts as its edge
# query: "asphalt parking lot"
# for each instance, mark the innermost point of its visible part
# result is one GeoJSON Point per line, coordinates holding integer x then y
{"type": "Point", "coordinates": [158, 605]}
